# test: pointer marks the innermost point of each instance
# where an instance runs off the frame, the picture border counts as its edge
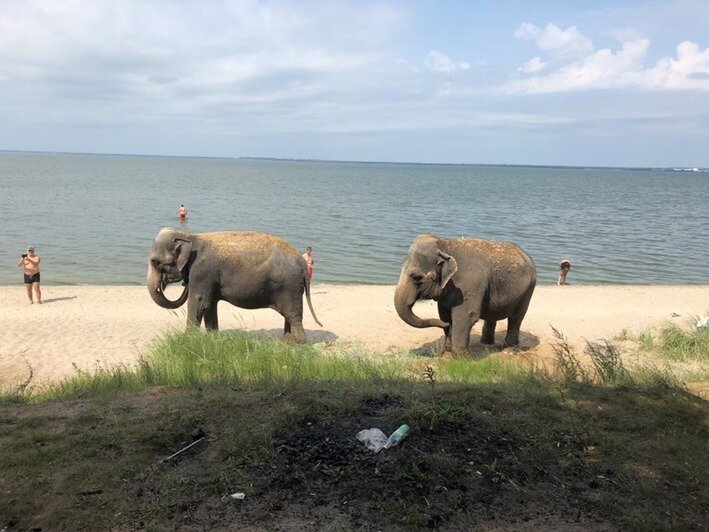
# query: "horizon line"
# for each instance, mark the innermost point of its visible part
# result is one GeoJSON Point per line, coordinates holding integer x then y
{"type": "Point", "coordinates": [318, 160]}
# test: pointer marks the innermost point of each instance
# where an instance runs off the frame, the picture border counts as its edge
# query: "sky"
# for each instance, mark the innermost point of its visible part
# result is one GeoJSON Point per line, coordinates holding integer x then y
{"type": "Point", "coordinates": [582, 83]}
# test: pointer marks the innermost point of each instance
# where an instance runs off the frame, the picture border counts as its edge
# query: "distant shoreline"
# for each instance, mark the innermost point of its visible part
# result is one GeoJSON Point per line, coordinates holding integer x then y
{"type": "Point", "coordinates": [675, 168]}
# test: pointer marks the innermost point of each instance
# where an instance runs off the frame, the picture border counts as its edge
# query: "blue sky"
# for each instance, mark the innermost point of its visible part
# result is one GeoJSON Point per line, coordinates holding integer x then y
{"type": "Point", "coordinates": [511, 82]}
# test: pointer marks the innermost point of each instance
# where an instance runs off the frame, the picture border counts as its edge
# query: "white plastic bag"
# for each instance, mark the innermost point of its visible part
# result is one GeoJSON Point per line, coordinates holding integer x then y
{"type": "Point", "coordinates": [374, 439]}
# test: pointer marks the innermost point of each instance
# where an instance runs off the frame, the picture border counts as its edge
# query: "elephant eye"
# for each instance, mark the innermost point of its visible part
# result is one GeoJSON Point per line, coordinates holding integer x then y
{"type": "Point", "coordinates": [417, 278]}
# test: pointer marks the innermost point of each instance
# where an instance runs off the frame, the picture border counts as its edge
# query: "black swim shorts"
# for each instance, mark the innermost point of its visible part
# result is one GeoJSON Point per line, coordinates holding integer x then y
{"type": "Point", "coordinates": [29, 279]}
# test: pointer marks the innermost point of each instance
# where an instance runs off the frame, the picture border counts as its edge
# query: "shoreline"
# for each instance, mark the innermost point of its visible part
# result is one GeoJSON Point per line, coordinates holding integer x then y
{"type": "Point", "coordinates": [85, 326]}
{"type": "Point", "coordinates": [19, 283]}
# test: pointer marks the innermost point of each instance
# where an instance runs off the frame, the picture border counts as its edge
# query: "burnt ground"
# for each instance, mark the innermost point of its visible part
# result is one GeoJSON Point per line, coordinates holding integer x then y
{"type": "Point", "coordinates": [452, 474]}
{"type": "Point", "coordinates": [476, 458]}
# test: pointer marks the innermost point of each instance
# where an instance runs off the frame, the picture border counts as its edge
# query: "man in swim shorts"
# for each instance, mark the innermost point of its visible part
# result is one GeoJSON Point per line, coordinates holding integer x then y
{"type": "Point", "coordinates": [182, 212]}
{"type": "Point", "coordinates": [30, 262]}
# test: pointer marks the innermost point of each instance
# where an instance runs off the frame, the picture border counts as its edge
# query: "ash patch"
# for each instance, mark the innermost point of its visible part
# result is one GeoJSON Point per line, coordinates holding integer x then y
{"type": "Point", "coordinates": [318, 453]}
{"type": "Point", "coordinates": [378, 406]}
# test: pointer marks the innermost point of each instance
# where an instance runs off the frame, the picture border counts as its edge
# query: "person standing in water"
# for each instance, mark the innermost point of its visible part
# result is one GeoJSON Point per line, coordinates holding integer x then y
{"type": "Point", "coordinates": [30, 262]}
{"type": "Point", "coordinates": [309, 261]}
{"type": "Point", "coordinates": [182, 213]}
{"type": "Point", "coordinates": [564, 268]}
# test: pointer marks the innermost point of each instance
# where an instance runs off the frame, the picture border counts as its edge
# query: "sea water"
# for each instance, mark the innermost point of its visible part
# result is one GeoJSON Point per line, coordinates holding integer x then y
{"type": "Point", "coordinates": [93, 218]}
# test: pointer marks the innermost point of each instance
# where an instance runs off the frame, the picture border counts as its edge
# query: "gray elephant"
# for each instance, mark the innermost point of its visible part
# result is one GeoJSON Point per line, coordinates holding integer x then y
{"type": "Point", "coordinates": [246, 268]}
{"type": "Point", "coordinates": [470, 279]}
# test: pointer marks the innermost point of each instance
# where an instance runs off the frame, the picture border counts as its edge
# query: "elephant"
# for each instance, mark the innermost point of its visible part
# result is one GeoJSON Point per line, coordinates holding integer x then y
{"type": "Point", "coordinates": [248, 269]}
{"type": "Point", "coordinates": [471, 279]}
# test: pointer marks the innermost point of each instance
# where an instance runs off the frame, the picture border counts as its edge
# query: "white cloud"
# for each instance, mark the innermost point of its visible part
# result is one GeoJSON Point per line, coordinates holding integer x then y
{"type": "Point", "coordinates": [689, 71]}
{"type": "Point", "coordinates": [532, 66]}
{"type": "Point", "coordinates": [553, 38]}
{"type": "Point", "coordinates": [122, 51]}
{"type": "Point", "coordinates": [602, 69]}
{"type": "Point", "coordinates": [606, 69]}
{"type": "Point", "coordinates": [439, 62]}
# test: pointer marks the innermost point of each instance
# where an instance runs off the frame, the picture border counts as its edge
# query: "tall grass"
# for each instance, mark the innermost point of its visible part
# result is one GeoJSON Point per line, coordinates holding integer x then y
{"type": "Point", "coordinates": [681, 344]}
{"type": "Point", "coordinates": [196, 357]}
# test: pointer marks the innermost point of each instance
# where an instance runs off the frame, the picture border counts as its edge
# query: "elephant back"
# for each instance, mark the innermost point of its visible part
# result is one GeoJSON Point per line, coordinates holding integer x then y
{"type": "Point", "coordinates": [258, 245]}
{"type": "Point", "coordinates": [498, 253]}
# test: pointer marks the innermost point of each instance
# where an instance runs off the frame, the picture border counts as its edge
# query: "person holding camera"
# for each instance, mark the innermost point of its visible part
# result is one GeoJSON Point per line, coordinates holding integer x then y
{"type": "Point", "coordinates": [30, 262]}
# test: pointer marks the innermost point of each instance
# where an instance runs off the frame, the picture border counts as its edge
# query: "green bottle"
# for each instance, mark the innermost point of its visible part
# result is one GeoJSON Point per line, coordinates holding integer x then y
{"type": "Point", "coordinates": [398, 435]}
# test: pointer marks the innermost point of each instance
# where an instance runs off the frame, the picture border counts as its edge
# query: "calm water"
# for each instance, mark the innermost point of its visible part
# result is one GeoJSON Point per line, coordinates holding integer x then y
{"type": "Point", "coordinates": [93, 218]}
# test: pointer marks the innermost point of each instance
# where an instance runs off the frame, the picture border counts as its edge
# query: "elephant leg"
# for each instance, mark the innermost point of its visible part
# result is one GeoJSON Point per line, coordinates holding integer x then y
{"type": "Point", "coordinates": [462, 321]}
{"type": "Point", "coordinates": [290, 307]}
{"type": "Point", "coordinates": [444, 313]}
{"type": "Point", "coordinates": [195, 310]}
{"type": "Point", "coordinates": [297, 331]}
{"type": "Point", "coordinates": [198, 307]}
{"type": "Point", "coordinates": [211, 320]}
{"type": "Point", "coordinates": [488, 336]}
{"type": "Point", "coordinates": [514, 322]}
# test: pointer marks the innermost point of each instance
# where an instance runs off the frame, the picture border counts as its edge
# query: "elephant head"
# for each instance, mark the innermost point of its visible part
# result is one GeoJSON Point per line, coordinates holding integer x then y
{"type": "Point", "coordinates": [425, 273]}
{"type": "Point", "coordinates": [168, 263]}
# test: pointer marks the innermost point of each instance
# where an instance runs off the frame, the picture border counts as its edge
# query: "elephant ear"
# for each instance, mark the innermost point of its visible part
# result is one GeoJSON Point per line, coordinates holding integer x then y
{"type": "Point", "coordinates": [184, 249]}
{"type": "Point", "coordinates": [448, 266]}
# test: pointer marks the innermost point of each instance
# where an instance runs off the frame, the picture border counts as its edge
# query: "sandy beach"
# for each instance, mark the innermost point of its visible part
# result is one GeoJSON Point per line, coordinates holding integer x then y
{"type": "Point", "coordinates": [84, 326]}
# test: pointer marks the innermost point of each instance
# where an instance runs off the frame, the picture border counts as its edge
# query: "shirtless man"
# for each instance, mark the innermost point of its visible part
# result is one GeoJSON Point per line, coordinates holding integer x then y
{"type": "Point", "coordinates": [182, 213]}
{"type": "Point", "coordinates": [30, 262]}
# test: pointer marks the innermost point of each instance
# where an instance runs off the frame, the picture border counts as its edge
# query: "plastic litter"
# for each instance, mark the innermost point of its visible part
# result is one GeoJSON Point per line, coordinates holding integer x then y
{"type": "Point", "coordinates": [376, 440]}
{"type": "Point", "coordinates": [239, 496]}
{"type": "Point", "coordinates": [703, 322]}
{"type": "Point", "coordinates": [398, 435]}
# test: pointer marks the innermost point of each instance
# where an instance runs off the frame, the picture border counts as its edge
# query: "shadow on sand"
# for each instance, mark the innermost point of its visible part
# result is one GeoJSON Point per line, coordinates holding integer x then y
{"type": "Point", "coordinates": [55, 299]}
{"type": "Point", "coordinates": [476, 349]}
{"type": "Point", "coordinates": [315, 336]}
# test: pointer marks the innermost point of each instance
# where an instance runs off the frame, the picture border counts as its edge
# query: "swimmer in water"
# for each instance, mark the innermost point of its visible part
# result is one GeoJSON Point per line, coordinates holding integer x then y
{"type": "Point", "coordinates": [182, 212]}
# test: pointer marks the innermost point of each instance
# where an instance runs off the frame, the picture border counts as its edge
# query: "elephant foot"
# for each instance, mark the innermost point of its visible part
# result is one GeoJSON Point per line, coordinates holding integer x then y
{"type": "Point", "coordinates": [292, 339]}
{"type": "Point", "coordinates": [457, 354]}
{"type": "Point", "coordinates": [487, 341]}
{"type": "Point", "coordinates": [507, 344]}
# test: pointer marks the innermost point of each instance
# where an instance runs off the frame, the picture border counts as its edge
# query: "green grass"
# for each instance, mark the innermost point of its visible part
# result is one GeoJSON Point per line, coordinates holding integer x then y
{"type": "Point", "coordinates": [680, 350]}
{"type": "Point", "coordinates": [198, 357]}
{"type": "Point", "coordinates": [681, 344]}
{"type": "Point", "coordinates": [491, 442]}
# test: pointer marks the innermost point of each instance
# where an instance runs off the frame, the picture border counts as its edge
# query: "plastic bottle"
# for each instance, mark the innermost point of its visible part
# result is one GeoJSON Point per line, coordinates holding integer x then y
{"type": "Point", "coordinates": [398, 435]}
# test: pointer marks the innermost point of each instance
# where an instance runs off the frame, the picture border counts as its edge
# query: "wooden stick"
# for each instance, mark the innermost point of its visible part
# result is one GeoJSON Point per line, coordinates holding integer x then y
{"type": "Point", "coordinates": [182, 450]}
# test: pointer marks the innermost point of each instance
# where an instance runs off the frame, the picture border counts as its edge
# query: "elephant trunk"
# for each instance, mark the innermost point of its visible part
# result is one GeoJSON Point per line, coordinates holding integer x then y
{"type": "Point", "coordinates": [156, 287]}
{"type": "Point", "coordinates": [404, 299]}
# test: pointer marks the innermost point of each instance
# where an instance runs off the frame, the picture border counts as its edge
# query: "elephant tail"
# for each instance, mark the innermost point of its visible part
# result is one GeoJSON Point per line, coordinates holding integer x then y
{"type": "Point", "coordinates": [307, 296]}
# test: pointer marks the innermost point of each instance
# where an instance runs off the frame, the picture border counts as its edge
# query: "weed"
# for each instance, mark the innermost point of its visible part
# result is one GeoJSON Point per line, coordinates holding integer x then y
{"type": "Point", "coordinates": [606, 360]}
{"type": "Point", "coordinates": [682, 344]}
{"type": "Point", "coordinates": [568, 364]}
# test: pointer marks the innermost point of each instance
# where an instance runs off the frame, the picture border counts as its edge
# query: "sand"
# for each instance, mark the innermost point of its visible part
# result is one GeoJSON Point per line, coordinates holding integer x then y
{"type": "Point", "coordinates": [85, 326]}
